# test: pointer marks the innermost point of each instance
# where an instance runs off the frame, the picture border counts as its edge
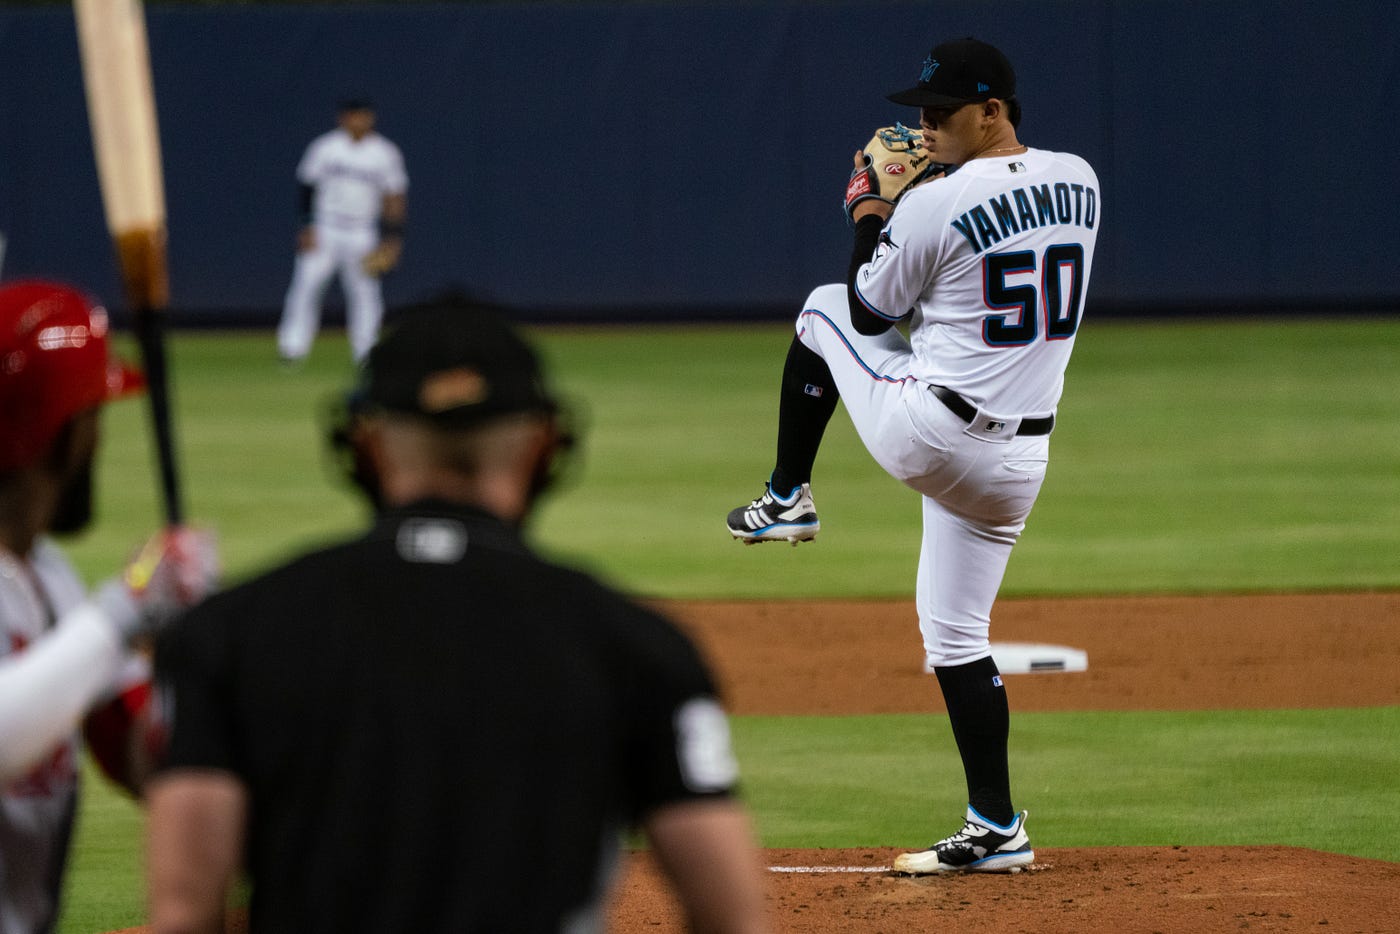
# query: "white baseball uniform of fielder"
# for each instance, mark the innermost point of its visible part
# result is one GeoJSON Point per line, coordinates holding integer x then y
{"type": "Point", "coordinates": [50, 674]}
{"type": "Point", "coordinates": [351, 178]}
{"type": "Point", "coordinates": [990, 266]}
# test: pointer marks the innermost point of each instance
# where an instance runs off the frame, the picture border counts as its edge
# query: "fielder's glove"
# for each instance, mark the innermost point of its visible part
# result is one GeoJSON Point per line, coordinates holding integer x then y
{"type": "Point", "coordinates": [894, 160]}
{"type": "Point", "coordinates": [382, 258]}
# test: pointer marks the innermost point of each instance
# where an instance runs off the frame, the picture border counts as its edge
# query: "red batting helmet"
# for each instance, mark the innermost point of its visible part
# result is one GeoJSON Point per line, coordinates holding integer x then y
{"type": "Point", "coordinates": [53, 364]}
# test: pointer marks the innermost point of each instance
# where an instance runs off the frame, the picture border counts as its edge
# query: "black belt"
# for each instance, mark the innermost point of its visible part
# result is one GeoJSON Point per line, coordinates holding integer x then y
{"type": "Point", "coordinates": [967, 412]}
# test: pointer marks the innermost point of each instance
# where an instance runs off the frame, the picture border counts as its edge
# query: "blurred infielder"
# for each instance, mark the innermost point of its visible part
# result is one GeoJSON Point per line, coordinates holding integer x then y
{"type": "Point", "coordinates": [983, 247]}
{"type": "Point", "coordinates": [354, 202]}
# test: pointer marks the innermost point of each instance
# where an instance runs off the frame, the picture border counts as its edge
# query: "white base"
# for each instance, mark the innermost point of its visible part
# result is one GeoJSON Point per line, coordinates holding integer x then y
{"type": "Point", "coordinates": [1020, 658]}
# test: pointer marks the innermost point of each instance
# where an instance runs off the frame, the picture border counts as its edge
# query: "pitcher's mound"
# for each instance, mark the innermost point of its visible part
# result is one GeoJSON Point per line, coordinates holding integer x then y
{"type": "Point", "coordinates": [1121, 889]}
{"type": "Point", "coordinates": [1137, 890]}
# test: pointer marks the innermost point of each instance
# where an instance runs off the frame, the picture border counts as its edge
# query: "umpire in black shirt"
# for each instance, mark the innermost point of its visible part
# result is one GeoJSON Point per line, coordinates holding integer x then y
{"type": "Point", "coordinates": [428, 728]}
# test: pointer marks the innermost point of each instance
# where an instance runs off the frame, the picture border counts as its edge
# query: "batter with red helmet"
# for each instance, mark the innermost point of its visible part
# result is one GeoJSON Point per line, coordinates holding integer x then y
{"type": "Point", "coordinates": [65, 658]}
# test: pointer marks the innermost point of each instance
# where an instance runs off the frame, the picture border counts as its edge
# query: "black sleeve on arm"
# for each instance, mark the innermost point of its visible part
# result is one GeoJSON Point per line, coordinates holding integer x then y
{"type": "Point", "coordinates": [307, 196]}
{"type": "Point", "coordinates": [867, 237]}
{"type": "Point", "coordinates": [678, 746]}
{"type": "Point", "coordinates": [193, 684]}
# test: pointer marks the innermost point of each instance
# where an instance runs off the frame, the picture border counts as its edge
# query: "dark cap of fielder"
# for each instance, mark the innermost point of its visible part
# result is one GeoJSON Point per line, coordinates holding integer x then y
{"type": "Point", "coordinates": [960, 72]}
{"type": "Point", "coordinates": [454, 363]}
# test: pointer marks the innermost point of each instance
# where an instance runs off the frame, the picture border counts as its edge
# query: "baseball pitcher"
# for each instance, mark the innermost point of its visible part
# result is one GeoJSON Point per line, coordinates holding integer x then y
{"type": "Point", "coordinates": [982, 248]}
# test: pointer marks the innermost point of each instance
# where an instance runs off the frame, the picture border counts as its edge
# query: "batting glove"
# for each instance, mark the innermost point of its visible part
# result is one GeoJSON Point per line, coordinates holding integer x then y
{"type": "Point", "coordinates": [176, 569]}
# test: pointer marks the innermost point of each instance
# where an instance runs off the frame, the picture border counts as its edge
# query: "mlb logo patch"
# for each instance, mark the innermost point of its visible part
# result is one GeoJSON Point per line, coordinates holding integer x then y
{"type": "Point", "coordinates": [1016, 167]}
{"type": "Point", "coordinates": [996, 680]}
{"type": "Point", "coordinates": [811, 390]}
{"type": "Point", "coordinates": [995, 428]}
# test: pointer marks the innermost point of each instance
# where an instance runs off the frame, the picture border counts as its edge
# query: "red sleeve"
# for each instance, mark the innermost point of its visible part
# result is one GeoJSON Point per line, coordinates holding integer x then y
{"type": "Point", "coordinates": [120, 734]}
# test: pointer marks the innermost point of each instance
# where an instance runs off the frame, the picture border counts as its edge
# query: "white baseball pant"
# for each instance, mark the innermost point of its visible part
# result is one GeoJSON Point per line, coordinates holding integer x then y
{"type": "Point", "coordinates": [337, 249]}
{"type": "Point", "coordinates": [976, 493]}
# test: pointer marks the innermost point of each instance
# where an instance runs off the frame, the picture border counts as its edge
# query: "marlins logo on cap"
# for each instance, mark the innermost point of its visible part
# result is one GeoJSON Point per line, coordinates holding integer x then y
{"type": "Point", "coordinates": [960, 72]}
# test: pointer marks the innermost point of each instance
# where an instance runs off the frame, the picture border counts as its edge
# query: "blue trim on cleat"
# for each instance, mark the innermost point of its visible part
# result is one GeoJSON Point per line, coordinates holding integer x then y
{"type": "Point", "coordinates": [981, 846]}
{"type": "Point", "coordinates": [772, 518]}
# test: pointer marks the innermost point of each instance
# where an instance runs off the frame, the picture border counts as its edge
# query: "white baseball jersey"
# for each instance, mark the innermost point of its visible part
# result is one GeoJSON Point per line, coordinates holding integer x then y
{"type": "Point", "coordinates": [990, 266]}
{"type": "Point", "coordinates": [992, 263]}
{"type": "Point", "coordinates": [351, 177]}
{"type": "Point", "coordinates": [59, 656]}
{"type": "Point", "coordinates": [36, 809]}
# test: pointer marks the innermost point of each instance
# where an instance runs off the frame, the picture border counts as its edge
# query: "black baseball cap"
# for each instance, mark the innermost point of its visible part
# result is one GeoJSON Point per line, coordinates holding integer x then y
{"type": "Point", "coordinates": [455, 363]}
{"type": "Point", "coordinates": [960, 72]}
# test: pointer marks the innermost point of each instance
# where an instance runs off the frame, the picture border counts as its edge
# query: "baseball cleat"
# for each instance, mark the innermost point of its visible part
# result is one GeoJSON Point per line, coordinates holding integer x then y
{"type": "Point", "coordinates": [773, 518]}
{"type": "Point", "coordinates": [981, 846]}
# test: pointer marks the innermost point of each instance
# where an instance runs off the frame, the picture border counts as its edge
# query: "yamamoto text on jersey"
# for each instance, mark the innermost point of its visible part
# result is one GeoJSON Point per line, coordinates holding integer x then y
{"type": "Point", "coordinates": [1021, 209]}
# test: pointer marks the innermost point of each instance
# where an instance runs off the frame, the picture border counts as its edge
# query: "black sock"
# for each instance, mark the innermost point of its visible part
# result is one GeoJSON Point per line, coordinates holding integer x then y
{"type": "Point", "coordinates": [806, 401]}
{"type": "Point", "coordinates": [981, 721]}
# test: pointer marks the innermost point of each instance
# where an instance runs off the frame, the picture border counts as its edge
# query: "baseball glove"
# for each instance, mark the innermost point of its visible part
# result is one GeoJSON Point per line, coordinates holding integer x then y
{"type": "Point", "coordinates": [382, 258]}
{"type": "Point", "coordinates": [895, 159]}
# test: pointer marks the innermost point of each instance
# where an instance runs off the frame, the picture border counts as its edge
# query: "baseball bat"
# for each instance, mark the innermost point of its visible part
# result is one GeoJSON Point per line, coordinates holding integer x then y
{"type": "Point", "coordinates": [126, 142]}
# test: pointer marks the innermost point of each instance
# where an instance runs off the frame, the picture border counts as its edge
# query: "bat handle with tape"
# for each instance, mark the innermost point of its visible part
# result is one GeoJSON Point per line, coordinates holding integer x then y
{"type": "Point", "coordinates": [142, 258]}
{"type": "Point", "coordinates": [148, 333]}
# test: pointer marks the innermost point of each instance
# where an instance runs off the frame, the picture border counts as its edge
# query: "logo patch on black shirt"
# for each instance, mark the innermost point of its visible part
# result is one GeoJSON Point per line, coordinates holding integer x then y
{"type": "Point", "coordinates": [432, 541]}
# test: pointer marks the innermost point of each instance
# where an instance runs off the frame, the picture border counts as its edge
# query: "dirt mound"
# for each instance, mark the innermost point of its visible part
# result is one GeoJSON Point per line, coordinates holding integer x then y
{"type": "Point", "coordinates": [1119, 889]}
{"type": "Point", "coordinates": [1126, 890]}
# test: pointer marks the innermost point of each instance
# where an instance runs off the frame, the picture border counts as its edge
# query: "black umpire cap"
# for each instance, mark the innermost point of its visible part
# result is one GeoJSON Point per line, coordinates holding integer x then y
{"type": "Point", "coordinates": [455, 363]}
{"type": "Point", "coordinates": [960, 72]}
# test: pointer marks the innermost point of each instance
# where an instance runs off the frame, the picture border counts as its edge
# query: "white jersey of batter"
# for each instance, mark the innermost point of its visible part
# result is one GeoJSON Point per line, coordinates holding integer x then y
{"type": "Point", "coordinates": [58, 657]}
{"type": "Point", "coordinates": [351, 177]}
{"type": "Point", "coordinates": [36, 809]}
{"type": "Point", "coordinates": [993, 261]}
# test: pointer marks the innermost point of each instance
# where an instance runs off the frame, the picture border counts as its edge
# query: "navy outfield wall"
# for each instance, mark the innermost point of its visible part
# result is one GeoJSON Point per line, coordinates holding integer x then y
{"type": "Point", "coordinates": [689, 158]}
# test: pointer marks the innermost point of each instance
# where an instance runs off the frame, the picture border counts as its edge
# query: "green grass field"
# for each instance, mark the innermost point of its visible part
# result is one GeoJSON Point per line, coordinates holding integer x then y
{"type": "Point", "coordinates": [1190, 457]}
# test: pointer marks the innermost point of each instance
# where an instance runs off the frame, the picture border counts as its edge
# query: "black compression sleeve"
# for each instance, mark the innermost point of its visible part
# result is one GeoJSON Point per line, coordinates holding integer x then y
{"type": "Point", "coordinates": [867, 237]}
{"type": "Point", "coordinates": [305, 201]}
